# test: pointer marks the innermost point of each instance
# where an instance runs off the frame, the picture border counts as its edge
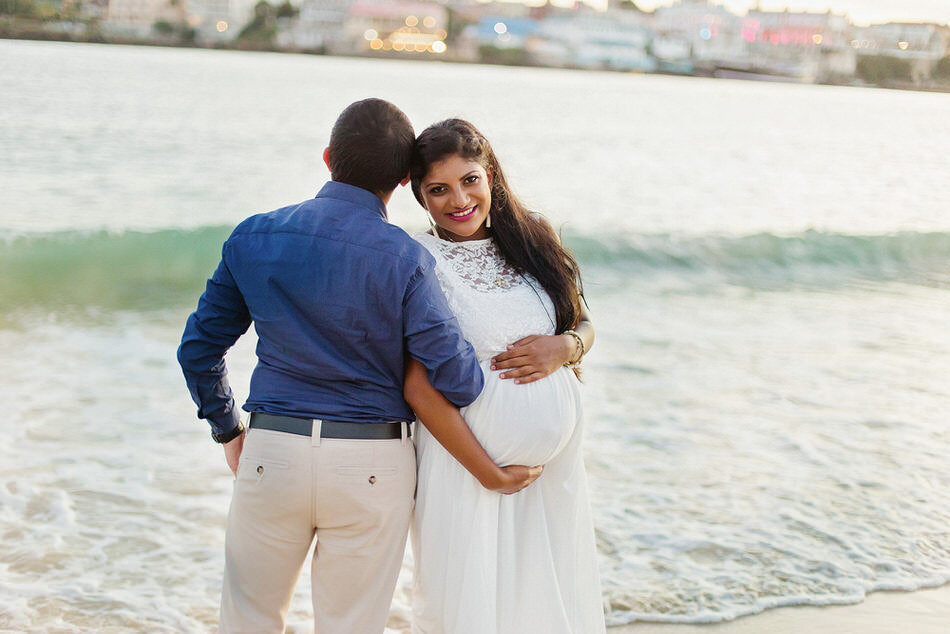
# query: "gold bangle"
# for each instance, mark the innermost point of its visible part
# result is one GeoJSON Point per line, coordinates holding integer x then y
{"type": "Point", "coordinates": [579, 347]}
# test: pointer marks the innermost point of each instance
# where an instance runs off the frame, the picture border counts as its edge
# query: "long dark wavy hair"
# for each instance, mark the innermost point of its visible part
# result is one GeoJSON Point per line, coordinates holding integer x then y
{"type": "Point", "coordinates": [526, 240]}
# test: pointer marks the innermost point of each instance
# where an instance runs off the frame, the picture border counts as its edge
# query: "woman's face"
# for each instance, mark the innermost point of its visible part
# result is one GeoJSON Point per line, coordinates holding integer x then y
{"type": "Point", "coordinates": [457, 194]}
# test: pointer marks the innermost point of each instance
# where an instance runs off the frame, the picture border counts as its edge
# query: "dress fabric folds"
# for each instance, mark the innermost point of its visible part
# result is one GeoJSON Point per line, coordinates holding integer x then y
{"type": "Point", "coordinates": [487, 563]}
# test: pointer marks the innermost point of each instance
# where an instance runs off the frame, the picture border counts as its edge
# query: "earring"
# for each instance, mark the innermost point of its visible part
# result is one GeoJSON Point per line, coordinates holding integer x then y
{"type": "Point", "coordinates": [431, 224]}
{"type": "Point", "coordinates": [488, 221]}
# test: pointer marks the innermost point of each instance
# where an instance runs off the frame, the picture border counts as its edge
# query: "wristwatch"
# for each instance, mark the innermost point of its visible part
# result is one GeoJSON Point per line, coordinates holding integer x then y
{"type": "Point", "coordinates": [230, 435]}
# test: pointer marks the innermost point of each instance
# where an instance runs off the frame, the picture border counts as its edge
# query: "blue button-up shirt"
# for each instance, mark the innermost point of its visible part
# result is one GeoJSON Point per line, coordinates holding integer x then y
{"type": "Point", "coordinates": [338, 297]}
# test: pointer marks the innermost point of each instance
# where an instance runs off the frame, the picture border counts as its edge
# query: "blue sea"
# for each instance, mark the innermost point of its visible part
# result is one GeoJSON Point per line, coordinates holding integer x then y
{"type": "Point", "coordinates": [768, 266]}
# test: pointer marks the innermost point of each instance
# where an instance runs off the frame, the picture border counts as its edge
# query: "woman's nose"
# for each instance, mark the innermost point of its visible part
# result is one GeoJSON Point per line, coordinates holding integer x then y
{"type": "Point", "coordinates": [459, 199]}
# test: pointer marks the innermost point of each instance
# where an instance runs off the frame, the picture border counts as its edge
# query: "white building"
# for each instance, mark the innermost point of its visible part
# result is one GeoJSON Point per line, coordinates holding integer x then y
{"type": "Point", "coordinates": [319, 26]}
{"type": "Point", "coordinates": [402, 27]}
{"type": "Point", "coordinates": [220, 20]}
{"type": "Point", "coordinates": [673, 53]}
{"type": "Point", "coordinates": [923, 45]}
{"type": "Point", "coordinates": [712, 31]}
{"type": "Point", "coordinates": [618, 40]}
{"type": "Point", "coordinates": [137, 18]}
{"type": "Point", "coordinates": [810, 46]}
{"type": "Point", "coordinates": [94, 10]}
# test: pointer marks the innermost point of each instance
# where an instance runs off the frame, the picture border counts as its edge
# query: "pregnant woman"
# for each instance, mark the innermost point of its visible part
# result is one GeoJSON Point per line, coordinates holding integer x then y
{"type": "Point", "coordinates": [487, 563]}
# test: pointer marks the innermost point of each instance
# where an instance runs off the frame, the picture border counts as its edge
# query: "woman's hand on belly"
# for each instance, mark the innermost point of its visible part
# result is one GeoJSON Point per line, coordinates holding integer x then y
{"type": "Point", "coordinates": [534, 357]}
{"type": "Point", "coordinates": [513, 478]}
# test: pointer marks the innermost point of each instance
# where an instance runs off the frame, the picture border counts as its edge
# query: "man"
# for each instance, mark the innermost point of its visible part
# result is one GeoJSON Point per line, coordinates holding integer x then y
{"type": "Point", "coordinates": [338, 297]}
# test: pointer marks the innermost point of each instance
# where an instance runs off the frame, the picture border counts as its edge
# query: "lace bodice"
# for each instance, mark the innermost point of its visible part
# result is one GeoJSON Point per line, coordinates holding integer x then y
{"type": "Point", "coordinates": [495, 304]}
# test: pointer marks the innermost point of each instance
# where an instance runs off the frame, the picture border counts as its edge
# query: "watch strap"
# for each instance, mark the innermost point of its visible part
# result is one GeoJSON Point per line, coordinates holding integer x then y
{"type": "Point", "coordinates": [230, 435]}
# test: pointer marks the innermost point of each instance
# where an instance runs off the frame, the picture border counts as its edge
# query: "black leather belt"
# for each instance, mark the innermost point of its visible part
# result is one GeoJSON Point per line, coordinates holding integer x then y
{"type": "Point", "coordinates": [328, 428]}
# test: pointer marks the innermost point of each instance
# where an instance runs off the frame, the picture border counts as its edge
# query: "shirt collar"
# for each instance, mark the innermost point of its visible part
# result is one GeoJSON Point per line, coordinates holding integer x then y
{"type": "Point", "coordinates": [356, 195]}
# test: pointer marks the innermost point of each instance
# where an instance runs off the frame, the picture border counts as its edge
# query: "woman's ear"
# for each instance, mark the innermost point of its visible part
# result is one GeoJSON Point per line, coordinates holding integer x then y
{"type": "Point", "coordinates": [326, 157]}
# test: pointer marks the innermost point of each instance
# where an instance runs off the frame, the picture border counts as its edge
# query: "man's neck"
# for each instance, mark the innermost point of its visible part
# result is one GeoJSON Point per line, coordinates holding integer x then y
{"type": "Point", "coordinates": [385, 196]}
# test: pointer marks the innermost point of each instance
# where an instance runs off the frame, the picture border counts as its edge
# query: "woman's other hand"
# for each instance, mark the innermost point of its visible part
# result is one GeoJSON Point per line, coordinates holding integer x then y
{"type": "Point", "coordinates": [535, 357]}
{"type": "Point", "coordinates": [513, 478]}
{"type": "Point", "coordinates": [447, 426]}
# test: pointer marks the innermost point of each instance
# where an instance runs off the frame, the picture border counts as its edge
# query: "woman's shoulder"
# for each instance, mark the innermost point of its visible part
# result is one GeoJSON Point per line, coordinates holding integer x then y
{"type": "Point", "coordinates": [429, 242]}
{"type": "Point", "coordinates": [426, 239]}
{"type": "Point", "coordinates": [423, 236]}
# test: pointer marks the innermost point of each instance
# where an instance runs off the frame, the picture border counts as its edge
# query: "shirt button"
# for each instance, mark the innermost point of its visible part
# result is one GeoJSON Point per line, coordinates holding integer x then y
{"type": "Point", "coordinates": [260, 468]}
{"type": "Point", "coordinates": [372, 479]}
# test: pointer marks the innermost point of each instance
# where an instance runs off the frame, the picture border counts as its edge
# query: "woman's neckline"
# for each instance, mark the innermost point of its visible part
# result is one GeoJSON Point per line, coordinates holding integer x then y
{"type": "Point", "coordinates": [474, 243]}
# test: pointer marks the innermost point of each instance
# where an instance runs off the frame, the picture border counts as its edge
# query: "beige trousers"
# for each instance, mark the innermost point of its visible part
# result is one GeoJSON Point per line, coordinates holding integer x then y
{"type": "Point", "coordinates": [354, 496]}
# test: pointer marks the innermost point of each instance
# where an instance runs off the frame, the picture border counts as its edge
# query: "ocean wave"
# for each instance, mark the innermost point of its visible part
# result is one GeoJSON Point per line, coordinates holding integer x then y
{"type": "Point", "coordinates": [916, 257]}
{"type": "Point", "coordinates": [143, 270]}
{"type": "Point", "coordinates": [129, 270]}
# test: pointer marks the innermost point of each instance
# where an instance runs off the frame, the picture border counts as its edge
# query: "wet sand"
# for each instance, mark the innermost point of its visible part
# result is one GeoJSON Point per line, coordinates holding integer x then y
{"type": "Point", "coordinates": [919, 612]}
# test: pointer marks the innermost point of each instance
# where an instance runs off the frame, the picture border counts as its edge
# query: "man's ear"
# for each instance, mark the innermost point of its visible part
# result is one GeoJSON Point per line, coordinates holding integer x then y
{"type": "Point", "coordinates": [404, 181]}
{"type": "Point", "coordinates": [326, 157]}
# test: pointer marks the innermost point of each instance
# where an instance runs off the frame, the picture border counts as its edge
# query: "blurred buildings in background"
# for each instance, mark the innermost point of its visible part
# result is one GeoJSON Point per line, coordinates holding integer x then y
{"type": "Point", "coordinates": [689, 37]}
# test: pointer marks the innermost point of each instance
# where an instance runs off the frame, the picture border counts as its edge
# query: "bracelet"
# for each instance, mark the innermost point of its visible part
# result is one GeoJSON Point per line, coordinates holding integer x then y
{"type": "Point", "coordinates": [580, 348]}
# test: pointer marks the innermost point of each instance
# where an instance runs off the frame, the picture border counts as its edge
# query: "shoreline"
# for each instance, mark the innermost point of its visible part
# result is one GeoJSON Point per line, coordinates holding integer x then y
{"type": "Point", "coordinates": [925, 611]}
{"type": "Point", "coordinates": [43, 36]}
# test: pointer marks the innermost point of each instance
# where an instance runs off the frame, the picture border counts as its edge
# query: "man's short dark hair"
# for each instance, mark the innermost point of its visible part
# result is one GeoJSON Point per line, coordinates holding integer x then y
{"type": "Point", "coordinates": [371, 145]}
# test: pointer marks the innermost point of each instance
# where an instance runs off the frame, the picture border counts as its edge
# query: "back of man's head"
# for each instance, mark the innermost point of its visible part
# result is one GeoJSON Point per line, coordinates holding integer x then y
{"type": "Point", "coordinates": [370, 146]}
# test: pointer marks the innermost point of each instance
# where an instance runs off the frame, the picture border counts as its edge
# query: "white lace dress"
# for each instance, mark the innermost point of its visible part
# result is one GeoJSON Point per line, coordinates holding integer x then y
{"type": "Point", "coordinates": [486, 563]}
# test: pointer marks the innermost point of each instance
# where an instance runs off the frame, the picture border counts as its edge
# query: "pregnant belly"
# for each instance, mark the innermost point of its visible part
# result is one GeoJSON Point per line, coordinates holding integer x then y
{"type": "Point", "coordinates": [524, 424]}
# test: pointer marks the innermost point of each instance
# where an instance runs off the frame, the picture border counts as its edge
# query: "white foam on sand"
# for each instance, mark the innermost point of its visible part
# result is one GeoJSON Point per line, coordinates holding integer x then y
{"type": "Point", "coordinates": [920, 612]}
{"type": "Point", "coordinates": [727, 478]}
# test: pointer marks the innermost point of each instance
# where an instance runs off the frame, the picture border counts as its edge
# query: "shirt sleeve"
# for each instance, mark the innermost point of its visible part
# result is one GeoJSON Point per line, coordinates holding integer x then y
{"type": "Point", "coordinates": [434, 338]}
{"type": "Point", "coordinates": [220, 319]}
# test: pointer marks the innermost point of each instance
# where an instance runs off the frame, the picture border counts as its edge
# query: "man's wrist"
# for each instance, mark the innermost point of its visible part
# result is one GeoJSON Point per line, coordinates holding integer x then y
{"type": "Point", "coordinates": [228, 436]}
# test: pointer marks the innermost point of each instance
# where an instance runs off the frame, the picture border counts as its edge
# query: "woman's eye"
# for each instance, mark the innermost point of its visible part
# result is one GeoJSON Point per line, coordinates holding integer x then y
{"type": "Point", "coordinates": [436, 190]}
{"type": "Point", "coordinates": [471, 179]}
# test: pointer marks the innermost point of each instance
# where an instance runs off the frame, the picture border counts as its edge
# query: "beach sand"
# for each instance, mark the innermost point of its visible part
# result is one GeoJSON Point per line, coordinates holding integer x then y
{"type": "Point", "coordinates": [920, 612]}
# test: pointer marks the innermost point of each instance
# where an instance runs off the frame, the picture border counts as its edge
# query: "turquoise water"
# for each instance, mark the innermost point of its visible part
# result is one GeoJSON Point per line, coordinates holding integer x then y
{"type": "Point", "coordinates": [768, 267]}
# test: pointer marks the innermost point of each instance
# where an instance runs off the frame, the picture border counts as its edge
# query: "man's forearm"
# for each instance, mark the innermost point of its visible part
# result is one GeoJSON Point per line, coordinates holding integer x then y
{"type": "Point", "coordinates": [202, 363]}
{"type": "Point", "coordinates": [433, 338]}
{"type": "Point", "coordinates": [221, 317]}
